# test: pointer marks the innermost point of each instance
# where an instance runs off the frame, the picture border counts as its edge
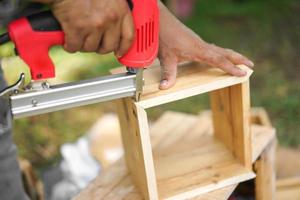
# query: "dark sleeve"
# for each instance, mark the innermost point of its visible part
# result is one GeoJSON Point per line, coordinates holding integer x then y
{"type": "Point", "coordinates": [11, 186]}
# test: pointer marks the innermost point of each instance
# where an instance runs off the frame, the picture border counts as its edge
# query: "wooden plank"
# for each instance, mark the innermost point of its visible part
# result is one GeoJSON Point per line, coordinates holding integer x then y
{"type": "Point", "coordinates": [104, 184]}
{"type": "Point", "coordinates": [192, 79]}
{"type": "Point", "coordinates": [137, 147]}
{"type": "Point", "coordinates": [221, 194]}
{"type": "Point", "coordinates": [265, 165]}
{"type": "Point", "coordinates": [266, 177]}
{"type": "Point", "coordinates": [198, 171]}
{"type": "Point", "coordinates": [262, 137]}
{"type": "Point", "coordinates": [231, 119]}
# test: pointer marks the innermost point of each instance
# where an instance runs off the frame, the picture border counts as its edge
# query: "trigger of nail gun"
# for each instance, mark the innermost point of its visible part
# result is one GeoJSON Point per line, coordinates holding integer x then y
{"type": "Point", "coordinates": [21, 87]}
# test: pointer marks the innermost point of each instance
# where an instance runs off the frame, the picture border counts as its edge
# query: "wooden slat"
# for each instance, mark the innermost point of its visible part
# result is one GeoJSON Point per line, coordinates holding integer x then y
{"type": "Point", "coordinates": [265, 170]}
{"type": "Point", "coordinates": [137, 147]}
{"type": "Point", "coordinates": [192, 79]}
{"type": "Point", "coordinates": [231, 119]}
{"type": "Point", "coordinates": [221, 194]}
{"type": "Point", "coordinates": [261, 140]}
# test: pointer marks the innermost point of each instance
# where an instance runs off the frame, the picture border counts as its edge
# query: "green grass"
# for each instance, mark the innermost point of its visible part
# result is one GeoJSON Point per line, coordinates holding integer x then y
{"type": "Point", "coordinates": [267, 31]}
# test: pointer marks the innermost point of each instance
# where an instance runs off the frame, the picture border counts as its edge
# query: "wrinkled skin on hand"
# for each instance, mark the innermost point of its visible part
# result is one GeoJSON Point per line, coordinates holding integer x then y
{"type": "Point", "coordinates": [178, 43]}
{"type": "Point", "coordinates": [101, 26]}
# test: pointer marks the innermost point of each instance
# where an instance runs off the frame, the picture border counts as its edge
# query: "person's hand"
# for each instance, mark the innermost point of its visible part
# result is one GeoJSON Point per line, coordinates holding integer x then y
{"type": "Point", "coordinates": [101, 26]}
{"type": "Point", "coordinates": [178, 43]}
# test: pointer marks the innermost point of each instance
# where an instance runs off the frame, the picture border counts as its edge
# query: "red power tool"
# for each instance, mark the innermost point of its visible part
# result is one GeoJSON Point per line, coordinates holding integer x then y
{"type": "Point", "coordinates": [34, 35]}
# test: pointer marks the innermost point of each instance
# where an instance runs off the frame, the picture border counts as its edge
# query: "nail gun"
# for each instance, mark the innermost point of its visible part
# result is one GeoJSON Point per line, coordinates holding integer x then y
{"type": "Point", "coordinates": [34, 35]}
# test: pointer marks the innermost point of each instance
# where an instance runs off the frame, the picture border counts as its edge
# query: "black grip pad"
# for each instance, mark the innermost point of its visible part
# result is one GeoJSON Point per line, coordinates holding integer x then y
{"type": "Point", "coordinates": [44, 21]}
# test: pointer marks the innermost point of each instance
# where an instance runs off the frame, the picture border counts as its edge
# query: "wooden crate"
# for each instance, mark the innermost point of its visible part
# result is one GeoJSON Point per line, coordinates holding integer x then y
{"type": "Point", "coordinates": [186, 156]}
{"type": "Point", "coordinates": [185, 170]}
{"type": "Point", "coordinates": [116, 183]}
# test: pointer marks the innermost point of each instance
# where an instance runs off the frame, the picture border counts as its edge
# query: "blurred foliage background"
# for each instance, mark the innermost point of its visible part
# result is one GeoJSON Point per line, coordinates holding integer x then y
{"type": "Point", "coordinates": [267, 31]}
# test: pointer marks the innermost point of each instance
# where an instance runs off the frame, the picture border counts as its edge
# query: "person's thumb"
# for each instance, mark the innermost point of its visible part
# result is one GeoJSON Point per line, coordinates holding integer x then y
{"type": "Point", "coordinates": [168, 72]}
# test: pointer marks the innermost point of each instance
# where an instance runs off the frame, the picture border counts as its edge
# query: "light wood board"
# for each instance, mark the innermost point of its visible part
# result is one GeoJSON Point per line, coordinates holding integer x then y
{"type": "Point", "coordinates": [137, 146]}
{"type": "Point", "coordinates": [115, 183]}
{"type": "Point", "coordinates": [192, 79]}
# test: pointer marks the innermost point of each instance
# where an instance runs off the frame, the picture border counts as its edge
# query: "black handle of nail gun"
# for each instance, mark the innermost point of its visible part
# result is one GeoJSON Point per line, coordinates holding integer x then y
{"type": "Point", "coordinates": [4, 38]}
{"type": "Point", "coordinates": [45, 21]}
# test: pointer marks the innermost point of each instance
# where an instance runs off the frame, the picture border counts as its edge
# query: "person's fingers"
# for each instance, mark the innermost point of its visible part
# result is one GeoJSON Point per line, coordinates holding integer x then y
{"type": "Point", "coordinates": [237, 58]}
{"type": "Point", "coordinates": [92, 42]}
{"type": "Point", "coordinates": [127, 36]}
{"type": "Point", "coordinates": [169, 72]}
{"type": "Point", "coordinates": [233, 56]}
{"type": "Point", "coordinates": [110, 41]}
{"type": "Point", "coordinates": [217, 60]}
{"type": "Point", "coordinates": [73, 41]}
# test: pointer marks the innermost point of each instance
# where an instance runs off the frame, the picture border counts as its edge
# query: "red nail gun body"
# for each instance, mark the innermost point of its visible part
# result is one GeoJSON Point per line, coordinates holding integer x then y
{"type": "Point", "coordinates": [36, 34]}
{"type": "Point", "coordinates": [33, 36]}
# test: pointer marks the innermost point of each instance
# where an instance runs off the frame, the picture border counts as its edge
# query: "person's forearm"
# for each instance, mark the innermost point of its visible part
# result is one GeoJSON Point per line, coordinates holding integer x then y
{"type": "Point", "coordinates": [164, 12]}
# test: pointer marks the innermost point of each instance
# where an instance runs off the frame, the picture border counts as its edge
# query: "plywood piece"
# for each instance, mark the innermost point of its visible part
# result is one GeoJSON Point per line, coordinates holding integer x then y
{"type": "Point", "coordinates": [137, 147]}
{"type": "Point", "coordinates": [192, 79]}
{"type": "Point", "coordinates": [116, 182]}
{"type": "Point", "coordinates": [231, 119]}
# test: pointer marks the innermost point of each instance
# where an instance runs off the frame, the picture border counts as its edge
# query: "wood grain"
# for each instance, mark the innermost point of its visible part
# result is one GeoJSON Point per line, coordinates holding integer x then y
{"type": "Point", "coordinates": [137, 147]}
{"type": "Point", "coordinates": [231, 119]}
